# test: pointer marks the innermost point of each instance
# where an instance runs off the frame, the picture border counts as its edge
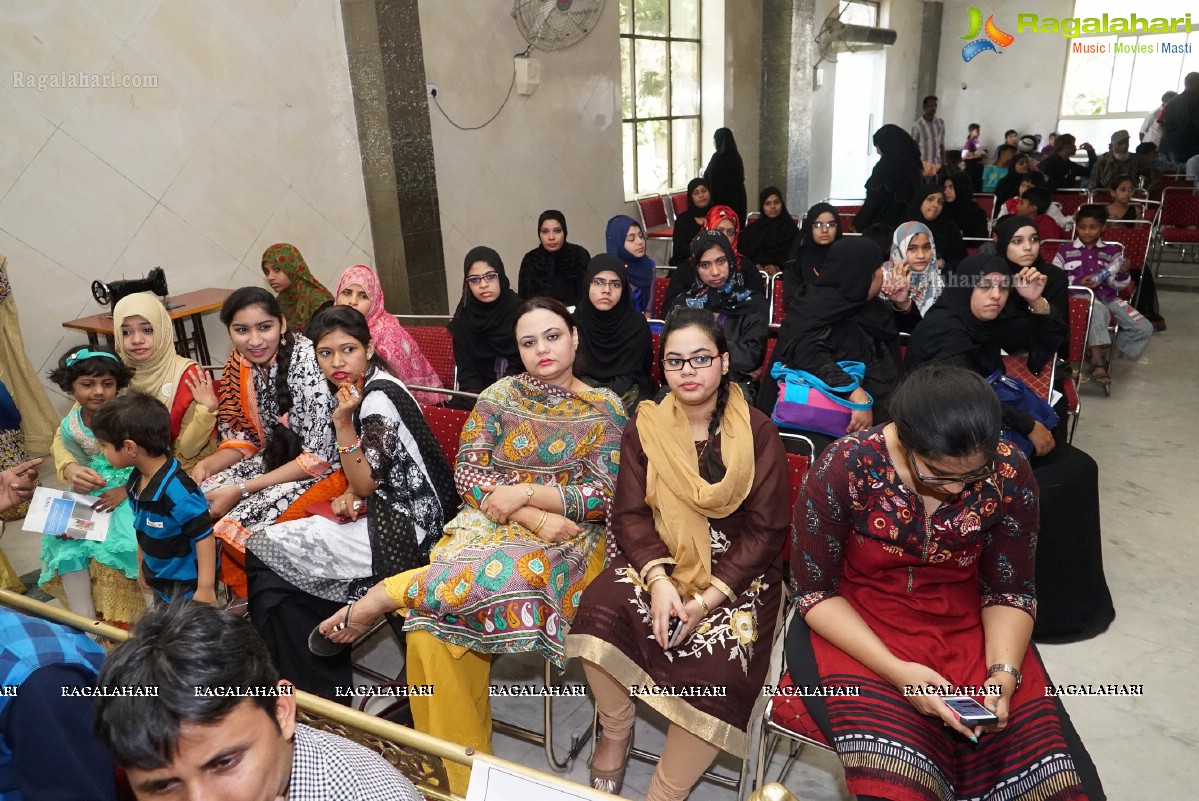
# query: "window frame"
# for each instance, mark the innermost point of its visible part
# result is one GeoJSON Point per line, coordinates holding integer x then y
{"type": "Point", "coordinates": [669, 118]}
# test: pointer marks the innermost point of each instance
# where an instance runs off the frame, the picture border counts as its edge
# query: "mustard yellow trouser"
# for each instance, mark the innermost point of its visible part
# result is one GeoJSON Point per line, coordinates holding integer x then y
{"type": "Point", "coordinates": [460, 708]}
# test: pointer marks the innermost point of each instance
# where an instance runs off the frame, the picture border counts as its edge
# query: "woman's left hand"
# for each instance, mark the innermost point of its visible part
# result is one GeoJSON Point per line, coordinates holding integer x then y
{"type": "Point", "coordinates": [860, 419]}
{"type": "Point", "coordinates": [348, 397]}
{"type": "Point", "coordinates": [503, 500]}
{"type": "Point", "coordinates": [220, 501]}
{"type": "Point", "coordinates": [1029, 284]}
{"type": "Point", "coordinates": [998, 704]}
{"type": "Point", "coordinates": [694, 616]}
{"type": "Point", "coordinates": [347, 505]}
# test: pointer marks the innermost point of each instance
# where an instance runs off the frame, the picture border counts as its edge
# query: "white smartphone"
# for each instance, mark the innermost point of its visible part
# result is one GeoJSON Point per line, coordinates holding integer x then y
{"type": "Point", "coordinates": [969, 711]}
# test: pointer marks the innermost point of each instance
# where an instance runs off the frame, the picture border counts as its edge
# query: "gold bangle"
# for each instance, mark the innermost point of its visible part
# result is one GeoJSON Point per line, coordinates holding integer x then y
{"type": "Point", "coordinates": [650, 583]}
{"type": "Point", "coordinates": [703, 605]}
{"type": "Point", "coordinates": [544, 517]}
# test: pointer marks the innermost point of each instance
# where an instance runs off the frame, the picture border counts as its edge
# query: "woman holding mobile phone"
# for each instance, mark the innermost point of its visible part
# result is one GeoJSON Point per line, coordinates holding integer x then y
{"type": "Point", "coordinates": [913, 556]}
{"type": "Point", "coordinates": [691, 599]}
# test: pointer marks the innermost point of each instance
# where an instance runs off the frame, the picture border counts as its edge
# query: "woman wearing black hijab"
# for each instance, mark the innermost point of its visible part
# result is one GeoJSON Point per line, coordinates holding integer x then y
{"type": "Point", "coordinates": [1017, 241]}
{"type": "Point", "coordinates": [892, 187]}
{"type": "Point", "coordinates": [768, 241]}
{"type": "Point", "coordinates": [725, 174]}
{"type": "Point", "coordinates": [960, 207]}
{"type": "Point", "coordinates": [555, 267]}
{"type": "Point", "coordinates": [690, 222]}
{"type": "Point", "coordinates": [741, 310]}
{"type": "Point", "coordinates": [819, 229]}
{"type": "Point", "coordinates": [966, 327]}
{"type": "Point", "coordinates": [842, 318]}
{"type": "Point", "coordinates": [484, 345]}
{"type": "Point", "coordinates": [947, 238]}
{"type": "Point", "coordinates": [615, 346]}
{"type": "Point", "coordinates": [684, 276]}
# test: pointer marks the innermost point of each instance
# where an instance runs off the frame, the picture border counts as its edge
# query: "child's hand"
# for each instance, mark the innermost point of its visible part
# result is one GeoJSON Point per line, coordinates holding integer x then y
{"type": "Point", "coordinates": [1090, 282]}
{"type": "Point", "coordinates": [202, 390]}
{"type": "Point", "coordinates": [141, 577]}
{"type": "Point", "coordinates": [110, 500]}
{"type": "Point", "coordinates": [205, 595]}
{"type": "Point", "coordinates": [83, 479]}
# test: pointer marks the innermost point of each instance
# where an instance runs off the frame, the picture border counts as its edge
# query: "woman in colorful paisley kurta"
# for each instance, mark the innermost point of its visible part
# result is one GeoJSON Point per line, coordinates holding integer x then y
{"type": "Point", "coordinates": [536, 468]}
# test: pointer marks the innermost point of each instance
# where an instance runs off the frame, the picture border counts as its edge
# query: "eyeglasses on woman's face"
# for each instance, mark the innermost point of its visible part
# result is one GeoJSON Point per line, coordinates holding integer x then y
{"type": "Point", "coordinates": [819, 225]}
{"type": "Point", "coordinates": [981, 473]}
{"type": "Point", "coordinates": [485, 278]}
{"type": "Point", "coordinates": [600, 283]}
{"type": "Point", "coordinates": [674, 364]}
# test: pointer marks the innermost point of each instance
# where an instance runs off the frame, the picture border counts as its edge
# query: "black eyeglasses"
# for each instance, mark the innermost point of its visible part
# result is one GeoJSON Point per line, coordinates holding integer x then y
{"type": "Point", "coordinates": [673, 365]}
{"type": "Point", "coordinates": [600, 283]}
{"type": "Point", "coordinates": [485, 278]}
{"type": "Point", "coordinates": [985, 471]}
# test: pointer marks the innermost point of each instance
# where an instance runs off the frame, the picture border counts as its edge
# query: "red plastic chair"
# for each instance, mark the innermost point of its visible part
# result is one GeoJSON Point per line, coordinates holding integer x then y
{"type": "Point", "coordinates": [1070, 199]}
{"type": "Point", "coordinates": [678, 203]}
{"type": "Point", "coordinates": [1050, 247]}
{"type": "Point", "coordinates": [778, 309]}
{"type": "Point", "coordinates": [1179, 223]}
{"type": "Point", "coordinates": [986, 202]}
{"type": "Point", "coordinates": [1080, 321]}
{"type": "Point", "coordinates": [1136, 238]}
{"type": "Point", "coordinates": [655, 220]}
{"type": "Point", "coordinates": [437, 345]}
{"type": "Point", "coordinates": [656, 369]}
{"type": "Point", "coordinates": [446, 425]}
{"type": "Point", "coordinates": [660, 285]}
{"type": "Point", "coordinates": [1016, 365]}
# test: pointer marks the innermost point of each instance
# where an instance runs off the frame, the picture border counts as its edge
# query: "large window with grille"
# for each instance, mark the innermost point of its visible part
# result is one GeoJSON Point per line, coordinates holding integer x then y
{"type": "Point", "coordinates": [660, 93]}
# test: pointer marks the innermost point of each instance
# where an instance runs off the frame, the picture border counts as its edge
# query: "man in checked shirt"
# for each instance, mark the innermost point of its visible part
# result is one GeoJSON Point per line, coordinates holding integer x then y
{"type": "Point", "coordinates": [223, 725]}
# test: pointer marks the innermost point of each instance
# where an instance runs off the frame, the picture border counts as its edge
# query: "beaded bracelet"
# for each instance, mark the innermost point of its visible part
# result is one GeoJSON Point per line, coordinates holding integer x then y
{"type": "Point", "coordinates": [350, 448]}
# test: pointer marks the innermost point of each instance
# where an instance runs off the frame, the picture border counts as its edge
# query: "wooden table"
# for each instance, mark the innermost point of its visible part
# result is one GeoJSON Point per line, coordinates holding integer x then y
{"type": "Point", "coordinates": [189, 305]}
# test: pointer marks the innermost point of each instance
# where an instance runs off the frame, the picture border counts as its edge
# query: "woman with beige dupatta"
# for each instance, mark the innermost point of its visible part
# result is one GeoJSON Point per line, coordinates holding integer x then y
{"type": "Point", "coordinates": [685, 613]}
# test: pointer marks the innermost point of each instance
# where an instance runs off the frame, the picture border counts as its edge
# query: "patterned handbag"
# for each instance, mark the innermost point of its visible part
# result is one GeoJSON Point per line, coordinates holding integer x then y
{"type": "Point", "coordinates": [807, 403]}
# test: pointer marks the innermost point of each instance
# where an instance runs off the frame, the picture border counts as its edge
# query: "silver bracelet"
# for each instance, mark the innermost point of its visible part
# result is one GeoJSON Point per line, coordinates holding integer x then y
{"type": "Point", "coordinates": [1003, 667]}
{"type": "Point", "coordinates": [245, 493]}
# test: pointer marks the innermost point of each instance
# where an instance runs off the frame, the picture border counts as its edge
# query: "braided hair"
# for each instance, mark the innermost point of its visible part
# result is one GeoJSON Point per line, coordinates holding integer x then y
{"type": "Point", "coordinates": [685, 317]}
{"type": "Point", "coordinates": [282, 444]}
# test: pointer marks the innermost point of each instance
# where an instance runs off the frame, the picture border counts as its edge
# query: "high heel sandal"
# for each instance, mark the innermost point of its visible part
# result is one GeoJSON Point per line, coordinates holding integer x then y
{"type": "Point", "coordinates": [320, 645]}
{"type": "Point", "coordinates": [612, 781]}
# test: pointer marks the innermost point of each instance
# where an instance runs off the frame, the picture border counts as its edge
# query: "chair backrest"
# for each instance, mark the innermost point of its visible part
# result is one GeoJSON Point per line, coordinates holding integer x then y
{"type": "Point", "coordinates": [769, 355]}
{"type": "Point", "coordinates": [438, 346]}
{"type": "Point", "coordinates": [1070, 200]}
{"type": "Point", "coordinates": [1172, 181]}
{"type": "Point", "coordinates": [660, 285]}
{"type": "Point", "coordinates": [1135, 238]}
{"type": "Point", "coordinates": [778, 309]}
{"type": "Point", "coordinates": [652, 209]}
{"type": "Point", "coordinates": [446, 425]}
{"type": "Point", "coordinates": [1080, 321]}
{"type": "Point", "coordinates": [1180, 208]}
{"type": "Point", "coordinates": [986, 202]}
{"type": "Point", "coordinates": [797, 471]}
{"type": "Point", "coordinates": [752, 217]}
{"type": "Point", "coordinates": [678, 202]}
{"type": "Point", "coordinates": [1016, 365]}
{"type": "Point", "coordinates": [1050, 247]}
{"type": "Point", "coordinates": [656, 368]}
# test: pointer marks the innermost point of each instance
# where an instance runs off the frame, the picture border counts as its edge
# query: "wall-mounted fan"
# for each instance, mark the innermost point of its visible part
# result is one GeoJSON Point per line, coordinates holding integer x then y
{"type": "Point", "coordinates": [556, 24]}
{"type": "Point", "coordinates": [838, 37]}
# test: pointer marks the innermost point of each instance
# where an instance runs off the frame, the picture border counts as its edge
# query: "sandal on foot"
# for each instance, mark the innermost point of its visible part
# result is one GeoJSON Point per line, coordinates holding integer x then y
{"type": "Point", "coordinates": [320, 645]}
{"type": "Point", "coordinates": [1100, 376]}
{"type": "Point", "coordinates": [612, 781]}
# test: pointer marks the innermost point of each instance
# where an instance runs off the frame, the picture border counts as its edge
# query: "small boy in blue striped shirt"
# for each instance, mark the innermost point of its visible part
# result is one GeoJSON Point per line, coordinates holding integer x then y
{"type": "Point", "coordinates": [176, 552]}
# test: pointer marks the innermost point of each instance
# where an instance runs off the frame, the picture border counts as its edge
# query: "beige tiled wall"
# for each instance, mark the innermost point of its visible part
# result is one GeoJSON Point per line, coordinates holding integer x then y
{"type": "Point", "coordinates": [248, 139]}
{"type": "Point", "coordinates": [557, 148]}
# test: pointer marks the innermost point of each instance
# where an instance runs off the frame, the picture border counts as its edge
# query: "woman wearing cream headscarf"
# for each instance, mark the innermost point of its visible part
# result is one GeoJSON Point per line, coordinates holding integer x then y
{"type": "Point", "coordinates": [17, 374]}
{"type": "Point", "coordinates": [145, 341]}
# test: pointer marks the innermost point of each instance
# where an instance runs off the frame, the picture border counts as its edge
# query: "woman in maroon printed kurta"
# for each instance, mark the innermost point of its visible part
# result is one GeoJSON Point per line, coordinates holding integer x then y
{"type": "Point", "coordinates": [700, 529]}
{"type": "Point", "coordinates": [913, 548]}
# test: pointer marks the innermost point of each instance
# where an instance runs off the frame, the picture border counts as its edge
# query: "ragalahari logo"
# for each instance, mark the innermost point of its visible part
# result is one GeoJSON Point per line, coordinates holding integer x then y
{"type": "Point", "coordinates": [994, 36]}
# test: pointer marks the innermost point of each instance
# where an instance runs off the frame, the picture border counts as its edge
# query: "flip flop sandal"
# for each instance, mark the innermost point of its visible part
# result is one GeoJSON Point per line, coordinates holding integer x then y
{"type": "Point", "coordinates": [320, 645]}
{"type": "Point", "coordinates": [1101, 376]}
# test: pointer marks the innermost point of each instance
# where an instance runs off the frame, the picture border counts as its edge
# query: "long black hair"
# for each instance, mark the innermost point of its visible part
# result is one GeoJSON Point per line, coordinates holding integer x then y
{"type": "Point", "coordinates": [943, 410]}
{"type": "Point", "coordinates": [89, 360]}
{"type": "Point", "coordinates": [282, 444]}
{"type": "Point", "coordinates": [348, 320]}
{"type": "Point", "coordinates": [686, 317]}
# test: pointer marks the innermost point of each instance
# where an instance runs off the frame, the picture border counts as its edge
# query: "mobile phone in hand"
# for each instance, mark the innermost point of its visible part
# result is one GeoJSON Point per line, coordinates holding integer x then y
{"type": "Point", "coordinates": [675, 624]}
{"type": "Point", "coordinates": [969, 711]}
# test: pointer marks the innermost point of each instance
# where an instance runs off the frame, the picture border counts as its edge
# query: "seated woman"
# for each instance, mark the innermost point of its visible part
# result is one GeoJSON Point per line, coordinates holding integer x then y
{"type": "Point", "coordinates": [818, 230]}
{"type": "Point", "coordinates": [625, 240]}
{"type": "Point", "coordinates": [555, 267]}
{"type": "Point", "coordinates": [690, 222]}
{"type": "Point", "coordinates": [768, 241]}
{"type": "Point", "coordinates": [842, 318]}
{"type": "Point", "coordinates": [942, 229]}
{"type": "Point", "coordinates": [700, 532]}
{"type": "Point", "coordinates": [359, 287]}
{"type": "Point", "coordinates": [297, 290]}
{"type": "Point", "coordinates": [960, 207]}
{"type": "Point", "coordinates": [912, 555]}
{"type": "Point", "coordinates": [302, 571]}
{"type": "Point", "coordinates": [741, 311]}
{"type": "Point", "coordinates": [683, 277]}
{"type": "Point", "coordinates": [536, 469]}
{"type": "Point", "coordinates": [484, 346]}
{"type": "Point", "coordinates": [966, 328]}
{"type": "Point", "coordinates": [912, 267]}
{"type": "Point", "coordinates": [1019, 243]}
{"type": "Point", "coordinates": [1009, 185]}
{"type": "Point", "coordinates": [615, 346]}
{"type": "Point", "coordinates": [145, 340]}
{"type": "Point", "coordinates": [276, 441]}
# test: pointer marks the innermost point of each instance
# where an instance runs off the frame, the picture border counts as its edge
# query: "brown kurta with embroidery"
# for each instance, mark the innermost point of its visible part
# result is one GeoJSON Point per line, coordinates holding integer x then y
{"type": "Point", "coordinates": [718, 672]}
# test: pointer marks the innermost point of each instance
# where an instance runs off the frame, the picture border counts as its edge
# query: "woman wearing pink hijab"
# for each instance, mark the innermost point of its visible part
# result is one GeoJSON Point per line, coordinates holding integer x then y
{"type": "Point", "coordinates": [359, 287]}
